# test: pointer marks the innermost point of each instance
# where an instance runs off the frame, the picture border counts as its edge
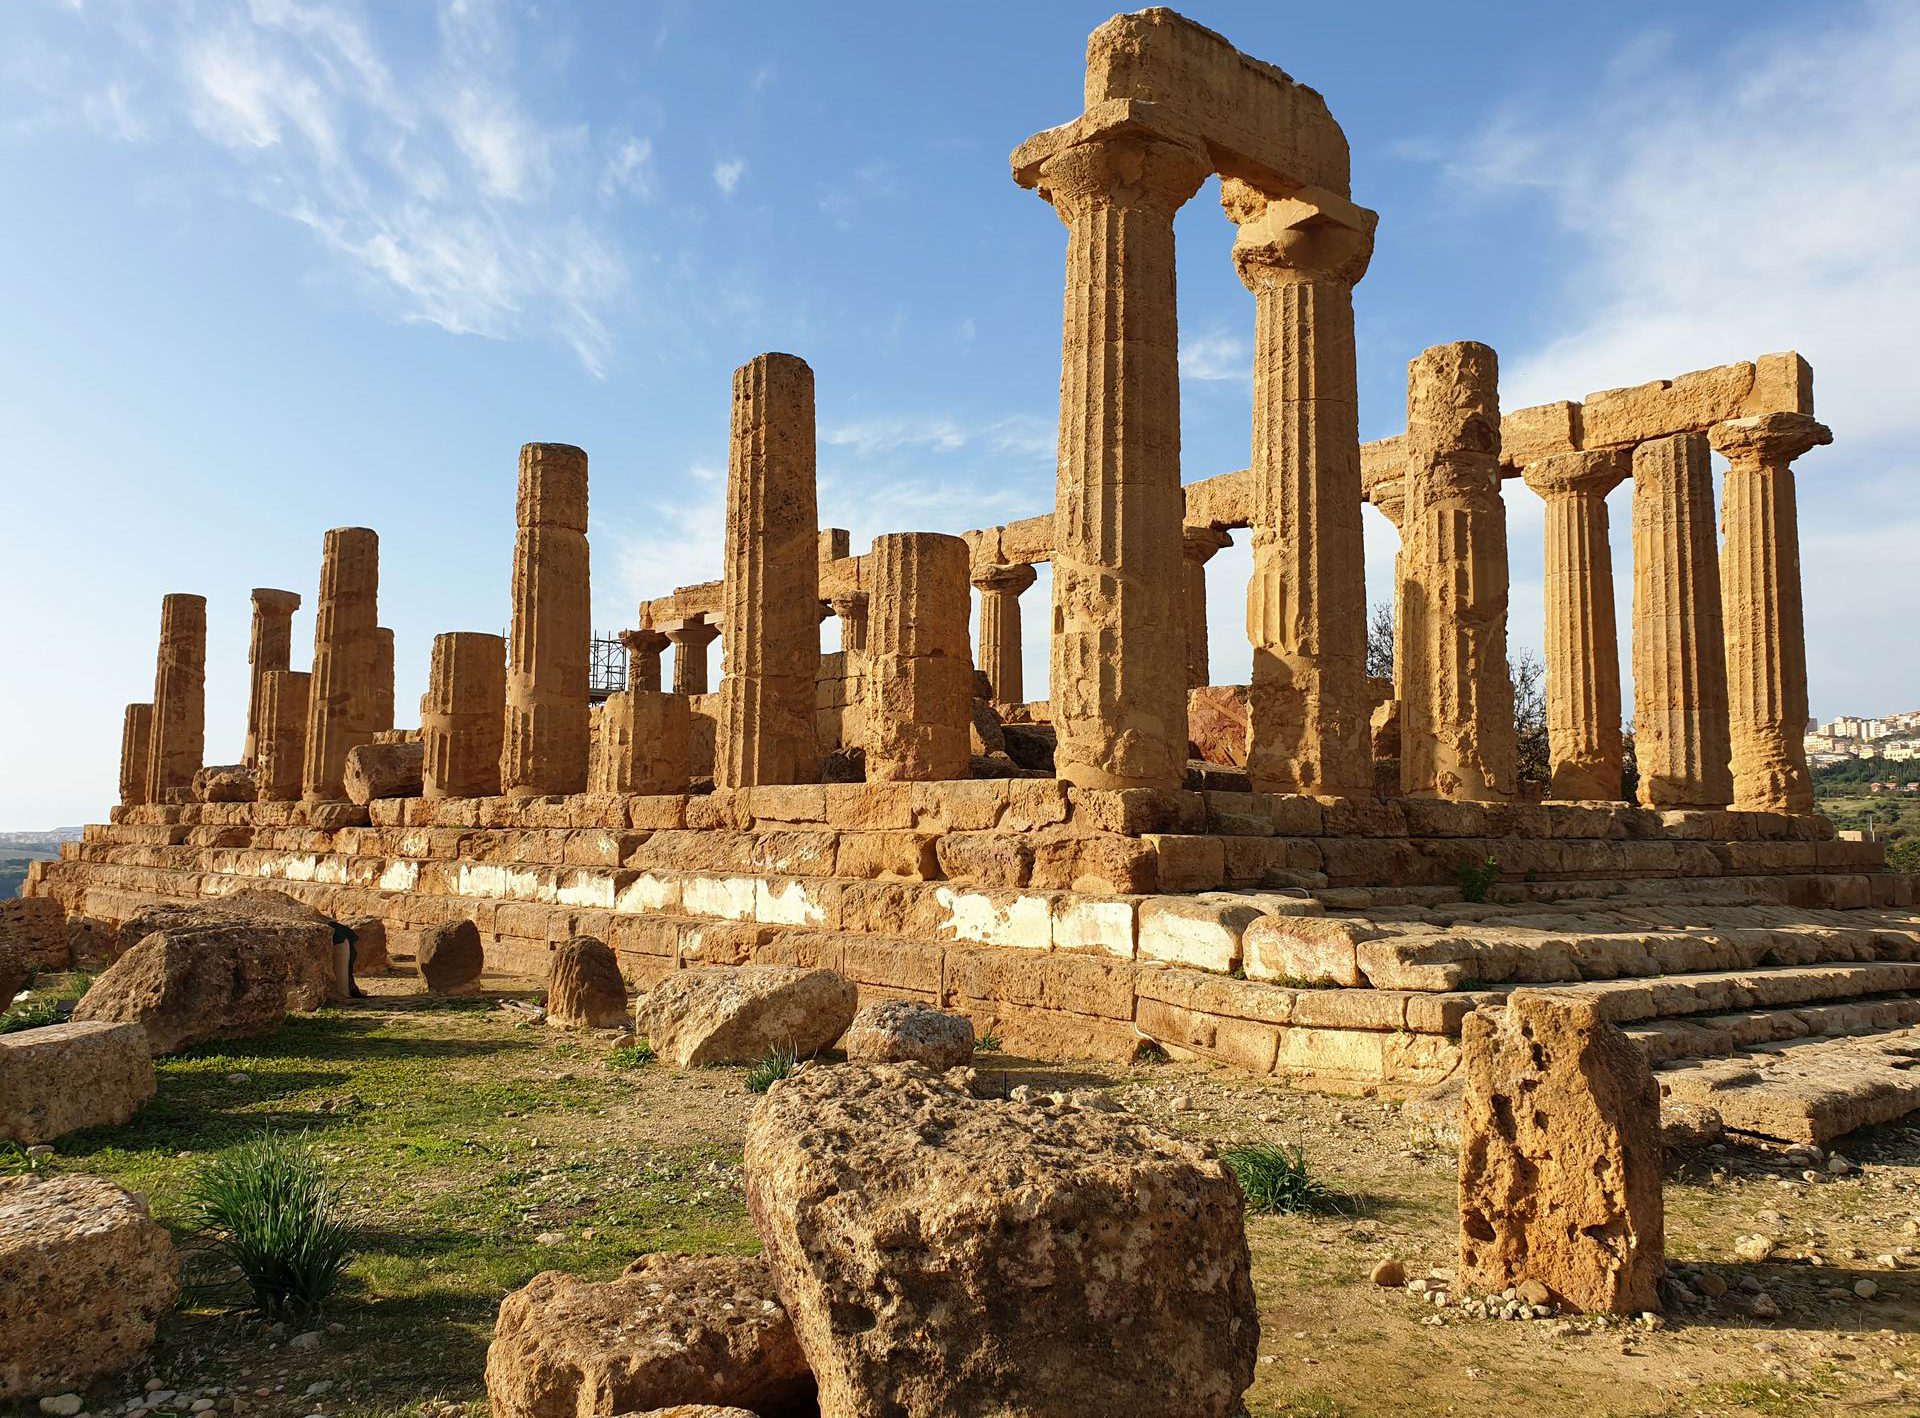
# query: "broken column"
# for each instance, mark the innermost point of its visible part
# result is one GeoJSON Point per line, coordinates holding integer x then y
{"type": "Point", "coordinates": [545, 751]}
{"type": "Point", "coordinates": [851, 609]}
{"type": "Point", "coordinates": [1583, 647]}
{"type": "Point", "coordinates": [1681, 738]}
{"type": "Point", "coordinates": [1118, 670]}
{"type": "Point", "coordinates": [1300, 255]}
{"type": "Point", "coordinates": [283, 735]}
{"type": "Point", "coordinates": [644, 744]}
{"type": "Point", "coordinates": [1001, 654]}
{"type": "Point", "coordinates": [690, 638]}
{"type": "Point", "coordinates": [136, 745]}
{"type": "Point", "coordinates": [177, 740]}
{"type": "Point", "coordinates": [643, 648]}
{"type": "Point", "coordinates": [771, 583]}
{"type": "Point", "coordinates": [1457, 737]}
{"type": "Point", "coordinates": [271, 648]}
{"type": "Point", "coordinates": [919, 674]}
{"type": "Point", "coordinates": [1765, 624]}
{"type": "Point", "coordinates": [463, 716]}
{"type": "Point", "coordinates": [345, 619]}
{"type": "Point", "coordinates": [380, 686]}
{"type": "Point", "coordinates": [1198, 545]}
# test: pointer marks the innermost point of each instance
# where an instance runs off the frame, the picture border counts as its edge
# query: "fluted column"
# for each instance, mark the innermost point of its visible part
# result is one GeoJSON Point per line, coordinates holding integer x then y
{"type": "Point", "coordinates": [1307, 602]}
{"type": "Point", "coordinates": [1197, 548]}
{"type": "Point", "coordinates": [1765, 624]}
{"type": "Point", "coordinates": [380, 692]}
{"type": "Point", "coordinates": [136, 745]}
{"type": "Point", "coordinates": [177, 742]}
{"type": "Point", "coordinates": [344, 621]}
{"type": "Point", "coordinates": [851, 609]}
{"type": "Point", "coordinates": [1457, 737]}
{"type": "Point", "coordinates": [545, 751]}
{"type": "Point", "coordinates": [1681, 739]}
{"type": "Point", "coordinates": [643, 648]}
{"type": "Point", "coordinates": [1001, 653]}
{"type": "Point", "coordinates": [1118, 674]}
{"type": "Point", "coordinates": [771, 584]}
{"type": "Point", "coordinates": [690, 639]}
{"type": "Point", "coordinates": [918, 692]}
{"type": "Point", "coordinates": [270, 648]}
{"type": "Point", "coordinates": [1583, 646]}
{"type": "Point", "coordinates": [284, 696]}
{"type": "Point", "coordinates": [463, 716]}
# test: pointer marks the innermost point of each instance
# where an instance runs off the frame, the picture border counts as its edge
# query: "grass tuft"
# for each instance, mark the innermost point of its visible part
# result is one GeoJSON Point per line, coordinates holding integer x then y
{"type": "Point", "coordinates": [988, 1044]}
{"type": "Point", "coordinates": [634, 1055]}
{"type": "Point", "coordinates": [275, 1215]}
{"type": "Point", "coordinates": [34, 1014]}
{"type": "Point", "coordinates": [1276, 1178]}
{"type": "Point", "coordinates": [775, 1066]}
{"type": "Point", "coordinates": [1477, 879]}
{"type": "Point", "coordinates": [16, 1160]}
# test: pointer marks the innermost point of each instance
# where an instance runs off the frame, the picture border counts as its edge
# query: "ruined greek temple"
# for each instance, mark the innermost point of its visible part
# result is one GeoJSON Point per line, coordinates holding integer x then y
{"type": "Point", "coordinates": [1322, 890]}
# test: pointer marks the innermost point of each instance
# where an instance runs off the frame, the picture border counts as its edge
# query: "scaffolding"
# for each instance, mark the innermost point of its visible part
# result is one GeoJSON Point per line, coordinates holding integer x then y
{"type": "Point", "coordinates": [606, 668]}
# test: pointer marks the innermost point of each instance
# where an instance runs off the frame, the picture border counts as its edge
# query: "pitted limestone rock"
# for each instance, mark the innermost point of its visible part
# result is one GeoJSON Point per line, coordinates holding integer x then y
{"type": "Point", "coordinates": [62, 1077]}
{"type": "Point", "coordinates": [451, 958]}
{"type": "Point", "coordinates": [584, 988]}
{"type": "Point", "coordinates": [738, 1015]}
{"type": "Point", "coordinates": [907, 1031]}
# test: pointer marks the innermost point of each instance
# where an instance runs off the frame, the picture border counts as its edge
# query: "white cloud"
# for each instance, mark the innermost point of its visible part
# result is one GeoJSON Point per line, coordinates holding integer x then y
{"type": "Point", "coordinates": [727, 174]}
{"type": "Point", "coordinates": [629, 169]}
{"type": "Point", "coordinates": [1216, 355]}
{"type": "Point", "coordinates": [867, 437]}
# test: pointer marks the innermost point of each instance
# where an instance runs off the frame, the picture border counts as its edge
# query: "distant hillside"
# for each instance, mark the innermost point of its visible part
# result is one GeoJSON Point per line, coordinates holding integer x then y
{"type": "Point", "coordinates": [51, 835]}
{"type": "Point", "coordinates": [19, 848]}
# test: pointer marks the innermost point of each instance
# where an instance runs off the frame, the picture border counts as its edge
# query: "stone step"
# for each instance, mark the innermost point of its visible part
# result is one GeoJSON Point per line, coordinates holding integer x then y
{"type": "Point", "coordinates": [1739, 1031]}
{"type": "Point", "coordinates": [1809, 1090]}
{"type": "Point", "coordinates": [1725, 991]}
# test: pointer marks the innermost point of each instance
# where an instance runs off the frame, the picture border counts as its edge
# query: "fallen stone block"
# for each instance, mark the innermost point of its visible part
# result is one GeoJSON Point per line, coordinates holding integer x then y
{"type": "Point", "coordinates": [188, 984]}
{"type": "Point", "coordinates": [584, 988]}
{"type": "Point", "coordinates": [385, 770]}
{"type": "Point", "coordinates": [906, 1031]}
{"type": "Point", "coordinates": [451, 958]}
{"type": "Point", "coordinates": [740, 1014]}
{"type": "Point", "coordinates": [63, 1077]}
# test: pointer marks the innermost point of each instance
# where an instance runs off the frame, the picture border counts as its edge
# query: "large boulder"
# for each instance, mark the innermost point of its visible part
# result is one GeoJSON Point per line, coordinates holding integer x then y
{"type": "Point", "coordinates": [34, 929]}
{"type": "Point", "coordinates": [385, 770]}
{"type": "Point", "coordinates": [226, 783]}
{"type": "Point", "coordinates": [907, 1031]}
{"type": "Point", "coordinates": [451, 958]}
{"type": "Point", "coordinates": [305, 933]}
{"type": "Point", "coordinates": [187, 984]}
{"type": "Point", "coordinates": [942, 1253]}
{"type": "Point", "coordinates": [63, 1077]}
{"type": "Point", "coordinates": [584, 988]}
{"type": "Point", "coordinates": [671, 1330]}
{"type": "Point", "coordinates": [85, 1277]}
{"type": "Point", "coordinates": [740, 1014]}
{"type": "Point", "coordinates": [1560, 1157]}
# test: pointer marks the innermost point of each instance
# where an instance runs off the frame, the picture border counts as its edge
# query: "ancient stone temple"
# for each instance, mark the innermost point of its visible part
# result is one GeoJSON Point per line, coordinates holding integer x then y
{"type": "Point", "coordinates": [1305, 897]}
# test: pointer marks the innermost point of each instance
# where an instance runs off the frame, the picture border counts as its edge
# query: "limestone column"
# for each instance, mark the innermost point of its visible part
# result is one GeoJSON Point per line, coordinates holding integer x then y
{"type": "Point", "coordinates": [136, 745]}
{"type": "Point", "coordinates": [852, 611]}
{"type": "Point", "coordinates": [771, 582]}
{"type": "Point", "coordinates": [1001, 653]}
{"type": "Point", "coordinates": [271, 648]}
{"type": "Point", "coordinates": [1118, 661]}
{"type": "Point", "coordinates": [1681, 738]}
{"type": "Point", "coordinates": [1198, 545]}
{"type": "Point", "coordinates": [380, 685]}
{"type": "Point", "coordinates": [1765, 624]}
{"type": "Point", "coordinates": [345, 620]}
{"type": "Point", "coordinates": [177, 741]}
{"type": "Point", "coordinates": [463, 716]}
{"type": "Point", "coordinates": [645, 744]}
{"type": "Point", "coordinates": [690, 639]}
{"type": "Point", "coordinates": [283, 734]}
{"type": "Point", "coordinates": [918, 696]}
{"type": "Point", "coordinates": [1583, 646]}
{"type": "Point", "coordinates": [1457, 737]}
{"type": "Point", "coordinates": [1307, 601]}
{"type": "Point", "coordinates": [643, 657]}
{"type": "Point", "coordinates": [545, 750]}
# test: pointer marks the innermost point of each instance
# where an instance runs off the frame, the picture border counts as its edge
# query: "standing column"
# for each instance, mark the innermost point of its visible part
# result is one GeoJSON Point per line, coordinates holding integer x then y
{"type": "Point", "coordinates": [1198, 545]}
{"type": "Point", "coordinates": [1457, 737]}
{"type": "Point", "coordinates": [283, 734]}
{"type": "Point", "coordinates": [380, 683]}
{"type": "Point", "coordinates": [1765, 624]}
{"type": "Point", "coordinates": [1001, 654]}
{"type": "Point", "coordinates": [1583, 646]}
{"type": "Point", "coordinates": [771, 583]}
{"type": "Point", "coordinates": [1307, 602]}
{"type": "Point", "coordinates": [463, 716]}
{"type": "Point", "coordinates": [643, 657]}
{"type": "Point", "coordinates": [344, 621]}
{"type": "Point", "coordinates": [271, 648]}
{"type": "Point", "coordinates": [177, 742]}
{"type": "Point", "coordinates": [919, 674]}
{"type": "Point", "coordinates": [136, 746]}
{"type": "Point", "coordinates": [1681, 739]}
{"type": "Point", "coordinates": [852, 611]}
{"type": "Point", "coordinates": [545, 751]}
{"type": "Point", "coordinates": [1118, 666]}
{"type": "Point", "coordinates": [690, 639]}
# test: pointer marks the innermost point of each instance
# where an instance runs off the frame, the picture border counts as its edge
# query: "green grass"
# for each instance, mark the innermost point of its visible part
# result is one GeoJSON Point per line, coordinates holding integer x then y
{"type": "Point", "coordinates": [775, 1066]}
{"type": "Point", "coordinates": [633, 1055]}
{"type": "Point", "coordinates": [31, 1014]}
{"type": "Point", "coordinates": [1277, 1179]}
{"type": "Point", "coordinates": [1476, 879]}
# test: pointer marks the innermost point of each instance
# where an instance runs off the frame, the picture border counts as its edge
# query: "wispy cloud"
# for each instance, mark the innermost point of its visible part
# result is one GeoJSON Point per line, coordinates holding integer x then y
{"type": "Point", "coordinates": [727, 173]}
{"type": "Point", "coordinates": [1026, 436]}
{"type": "Point", "coordinates": [1216, 355]}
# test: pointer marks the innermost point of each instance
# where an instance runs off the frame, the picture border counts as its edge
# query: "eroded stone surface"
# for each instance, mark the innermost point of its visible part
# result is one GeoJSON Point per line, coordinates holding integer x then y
{"type": "Point", "coordinates": [906, 1031]}
{"type": "Point", "coordinates": [584, 988]}
{"type": "Point", "coordinates": [739, 1015]}
{"type": "Point", "coordinates": [62, 1077]}
{"type": "Point", "coordinates": [451, 959]}
{"type": "Point", "coordinates": [545, 747]}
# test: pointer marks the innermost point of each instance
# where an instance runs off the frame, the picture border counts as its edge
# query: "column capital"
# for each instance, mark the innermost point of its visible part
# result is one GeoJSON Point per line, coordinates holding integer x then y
{"type": "Point", "coordinates": [1199, 544]}
{"type": "Point", "coordinates": [1011, 579]}
{"type": "Point", "coordinates": [1585, 474]}
{"type": "Point", "coordinates": [1122, 168]}
{"type": "Point", "coordinates": [1767, 440]}
{"type": "Point", "coordinates": [694, 630]}
{"type": "Point", "coordinates": [1310, 235]}
{"type": "Point", "coordinates": [267, 599]}
{"type": "Point", "coordinates": [1390, 499]}
{"type": "Point", "coordinates": [848, 604]}
{"type": "Point", "coordinates": [644, 641]}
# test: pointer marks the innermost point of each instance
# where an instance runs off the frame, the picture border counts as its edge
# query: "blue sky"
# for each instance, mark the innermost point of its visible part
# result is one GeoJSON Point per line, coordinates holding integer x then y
{"type": "Point", "coordinates": [281, 265]}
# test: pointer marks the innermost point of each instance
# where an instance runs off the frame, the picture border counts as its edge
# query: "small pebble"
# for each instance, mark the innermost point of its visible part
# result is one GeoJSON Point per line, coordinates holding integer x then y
{"type": "Point", "coordinates": [1389, 1272]}
{"type": "Point", "coordinates": [61, 1405]}
{"type": "Point", "coordinates": [1865, 1289]}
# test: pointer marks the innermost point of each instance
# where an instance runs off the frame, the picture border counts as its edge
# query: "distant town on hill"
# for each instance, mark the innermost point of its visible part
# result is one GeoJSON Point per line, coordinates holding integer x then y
{"type": "Point", "coordinates": [17, 849]}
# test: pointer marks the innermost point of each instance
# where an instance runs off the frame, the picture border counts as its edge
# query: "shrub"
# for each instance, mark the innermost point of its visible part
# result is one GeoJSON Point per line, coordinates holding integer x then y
{"type": "Point", "coordinates": [988, 1044]}
{"type": "Point", "coordinates": [275, 1216]}
{"type": "Point", "coordinates": [1476, 880]}
{"type": "Point", "coordinates": [31, 1015]}
{"type": "Point", "coordinates": [16, 1159]}
{"type": "Point", "coordinates": [1276, 1178]}
{"type": "Point", "coordinates": [633, 1055]}
{"type": "Point", "coordinates": [775, 1066]}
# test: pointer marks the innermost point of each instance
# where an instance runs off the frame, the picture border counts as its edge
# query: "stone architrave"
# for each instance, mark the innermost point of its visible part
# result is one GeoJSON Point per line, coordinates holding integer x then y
{"type": "Point", "coordinates": [1000, 588]}
{"type": "Point", "coordinates": [851, 609]}
{"type": "Point", "coordinates": [281, 758]}
{"type": "Point", "coordinates": [463, 716]}
{"type": "Point", "coordinates": [1457, 738]}
{"type": "Point", "coordinates": [1681, 739]}
{"type": "Point", "coordinates": [345, 620]}
{"type": "Point", "coordinates": [1583, 647]}
{"type": "Point", "coordinates": [644, 744]}
{"type": "Point", "coordinates": [1765, 623]}
{"type": "Point", "coordinates": [1198, 545]}
{"type": "Point", "coordinates": [136, 746]}
{"type": "Point", "coordinates": [1118, 666]}
{"type": "Point", "coordinates": [1301, 255]}
{"type": "Point", "coordinates": [690, 638]}
{"type": "Point", "coordinates": [771, 586]}
{"type": "Point", "coordinates": [271, 648]}
{"type": "Point", "coordinates": [380, 693]}
{"type": "Point", "coordinates": [546, 730]}
{"type": "Point", "coordinates": [643, 647]}
{"type": "Point", "coordinates": [177, 740]}
{"type": "Point", "coordinates": [919, 673]}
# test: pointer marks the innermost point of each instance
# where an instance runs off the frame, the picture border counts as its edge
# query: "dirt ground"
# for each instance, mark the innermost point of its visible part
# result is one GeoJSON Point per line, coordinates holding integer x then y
{"type": "Point", "coordinates": [477, 1151]}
